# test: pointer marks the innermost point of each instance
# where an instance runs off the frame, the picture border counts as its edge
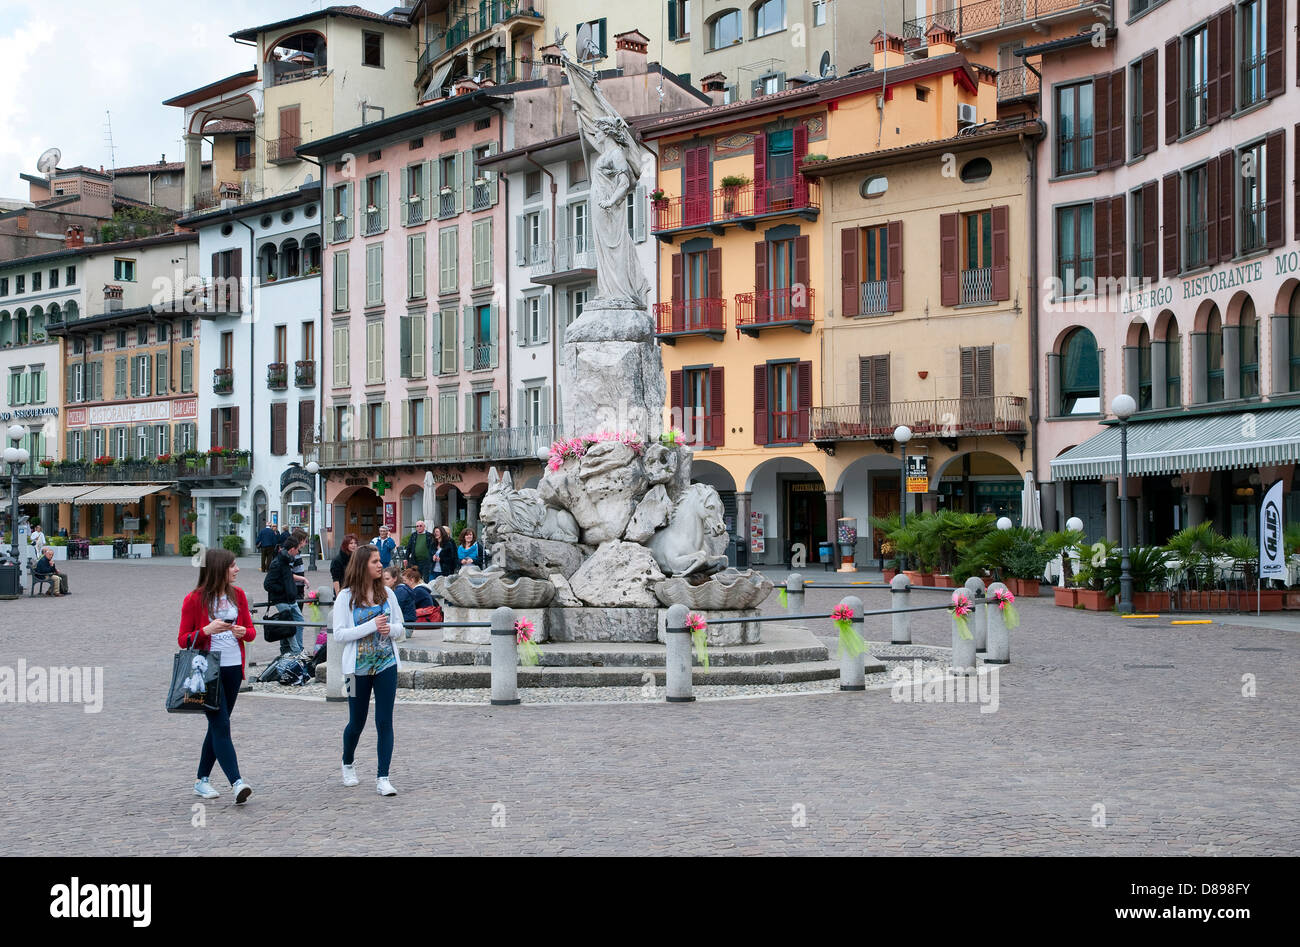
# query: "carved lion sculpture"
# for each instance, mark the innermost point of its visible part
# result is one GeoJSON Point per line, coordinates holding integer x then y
{"type": "Point", "coordinates": [507, 511]}
{"type": "Point", "coordinates": [695, 539]}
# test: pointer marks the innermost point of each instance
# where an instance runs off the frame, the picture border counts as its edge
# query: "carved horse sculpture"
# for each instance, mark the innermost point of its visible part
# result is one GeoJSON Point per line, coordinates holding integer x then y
{"type": "Point", "coordinates": [510, 512]}
{"type": "Point", "coordinates": [695, 539]}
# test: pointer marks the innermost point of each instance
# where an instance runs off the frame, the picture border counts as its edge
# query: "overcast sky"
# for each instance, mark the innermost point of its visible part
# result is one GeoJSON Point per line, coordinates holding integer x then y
{"type": "Point", "coordinates": [64, 64]}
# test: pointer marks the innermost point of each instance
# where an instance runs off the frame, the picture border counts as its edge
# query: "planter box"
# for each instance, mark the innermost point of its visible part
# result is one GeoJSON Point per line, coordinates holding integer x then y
{"type": "Point", "coordinates": [926, 578]}
{"type": "Point", "coordinates": [60, 553]}
{"type": "Point", "coordinates": [913, 576]}
{"type": "Point", "coordinates": [143, 550]}
{"type": "Point", "coordinates": [1201, 600]}
{"type": "Point", "coordinates": [1067, 598]}
{"type": "Point", "coordinates": [1023, 588]}
{"type": "Point", "coordinates": [944, 581]}
{"type": "Point", "coordinates": [100, 552]}
{"type": "Point", "coordinates": [1095, 601]}
{"type": "Point", "coordinates": [1151, 601]}
{"type": "Point", "coordinates": [890, 573]}
{"type": "Point", "coordinates": [1291, 600]}
{"type": "Point", "coordinates": [1270, 600]}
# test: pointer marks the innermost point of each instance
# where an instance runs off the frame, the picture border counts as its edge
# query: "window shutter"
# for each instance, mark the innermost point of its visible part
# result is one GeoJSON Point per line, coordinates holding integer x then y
{"type": "Point", "coordinates": [1228, 166]}
{"type": "Point", "coordinates": [97, 374]}
{"type": "Point", "coordinates": [1118, 238]}
{"type": "Point", "coordinates": [760, 281]}
{"type": "Point", "coordinates": [216, 427]}
{"type": "Point", "coordinates": [894, 266]}
{"type": "Point", "coordinates": [544, 318]}
{"type": "Point", "coordinates": [279, 419]}
{"type": "Point", "coordinates": [306, 421]}
{"type": "Point", "coordinates": [715, 435]}
{"type": "Point", "coordinates": [849, 293]}
{"type": "Point", "coordinates": [1295, 212]}
{"type": "Point", "coordinates": [163, 385]}
{"type": "Point", "coordinates": [521, 321]}
{"type": "Point", "coordinates": [134, 388]}
{"type": "Point", "coordinates": [1275, 36]}
{"type": "Point", "coordinates": [236, 275]}
{"type": "Point", "coordinates": [469, 412]}
{"type": "Point", "coordinates": [1001, 252]}
{"type": "Point", "coordinates": [1213, 68]}
{"type": "Point", "coordinates": [760, 404]}
{"type": "Point", "coordinates": [949, 278]}
{"type": "Point", "coordinates": [672, 20]}
{"type": "Point", "coordinates": [493, 189]}
{"type": "Point", "coordinates": [678, 314]}
{"type": "Point", "coordinates": [1274, 168]}
{"type": "Point", "coordinates": [119, 377]}
{"type": "Point", "coordinates": [468, 313]}
{"type": "Point", "coordinates": [967, 373]}
{"type": "Point", "coordinates": [1118, 107]}
{"type": "Point", "coordinates": [67, 382]}
{"type": "Point", "coordinates": [880, 380]}
{"type": "Point", "coordinates": [404, 347]}
{"type": "Point", "coordinates": [1101, 123]}
{"type": "Point", "coordinates": [760, 172]}
{"type": "Point", "coordinates": [802, 280]}
{"type": "Point", "coordinates": [1171, 218]}
{"type": "Point", "coordinates": [417, 345]}
{"type": "Point", "coordinates": [436, 332]}
{"type": "Point", "coordinates": [146, 376]}
{"type": "Point", "coordinates": [521, 240]}
{"type": "Point", "coordinates": [1212, 209]}
{"type": "Point", "coordinates": [187, 370]}
{"type": "Point", "coordinates": [449, 340]}
{"type": "Point", "coordinates": [676, 402]}
{"type": "Point", "coordinates": [1225, 51]}
{"type": "Point", "coordinates": [1150, 97]}
{"type": "Point", "coordinates": [1150, 231]}
{"type": "Point", "coordinates": [804, 397]}
{"type": "Point", "coordinates": [415, 252]}
{"type": "Point", "coordinates": [383, 200]}
{"type": "Point", "coordinates": [495, 331]}
{"type": "Point", "coordinates": [234, 428]}
{"type": "Point", "coordinates": [1173, 87]}
{"type": "Point", "coordinates": [374, 275]}
{"type": "Point", "coordinates": [404, 196]}
{"type": "Point", "coordinates": [984, 371]}
{"type": "Point", "coordinates": [1100, 238]}
{"type": "Point", "coordinates": [341, 281]}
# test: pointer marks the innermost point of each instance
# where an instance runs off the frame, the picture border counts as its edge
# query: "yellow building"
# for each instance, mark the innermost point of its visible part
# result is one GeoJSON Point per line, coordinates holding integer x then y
{"type": "Point", "coordinates": [745, 268]}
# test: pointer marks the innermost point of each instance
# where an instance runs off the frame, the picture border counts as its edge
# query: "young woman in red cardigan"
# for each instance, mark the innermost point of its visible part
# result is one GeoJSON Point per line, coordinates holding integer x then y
{"type": "Point", "coordinates": [216, 616]}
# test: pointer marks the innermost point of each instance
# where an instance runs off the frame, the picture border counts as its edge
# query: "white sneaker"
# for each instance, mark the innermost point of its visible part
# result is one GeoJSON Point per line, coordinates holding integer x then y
{"type": "Point", "coordinates": [350, 775]}
{"type": "Point", "coordinates": [242, 791]}
{"type": "Point", "coordinates": [384, 787]}
{"type": "Point", "coordinates": [203, 789]}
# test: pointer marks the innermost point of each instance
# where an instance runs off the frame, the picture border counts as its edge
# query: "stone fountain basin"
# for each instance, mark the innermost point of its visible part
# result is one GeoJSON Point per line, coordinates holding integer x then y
{"type": "Point", "coordinates": [732, 590]}
{"type": "Point", "coordinates": [471, 588]}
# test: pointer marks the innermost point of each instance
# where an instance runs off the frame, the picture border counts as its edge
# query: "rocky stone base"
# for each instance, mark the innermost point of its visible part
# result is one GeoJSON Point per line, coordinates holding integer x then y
{"type": "Point", "coordinates": [484, 635]}
{"type": "Point", "coordinates": [600, 624]}
{"type": "Point", "coordinates": [720, 636]}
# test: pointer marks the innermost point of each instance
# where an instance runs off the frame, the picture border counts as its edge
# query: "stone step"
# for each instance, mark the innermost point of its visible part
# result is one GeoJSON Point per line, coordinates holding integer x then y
{"type": "Point", "coordinates": [441, 677]}
{"type": "Point", "coordinates": [591, 654]}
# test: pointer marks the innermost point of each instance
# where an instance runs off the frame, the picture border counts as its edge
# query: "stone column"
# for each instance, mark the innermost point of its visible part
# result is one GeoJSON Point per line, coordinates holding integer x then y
{"type": "Point", "coordinates": [1195, 510]}
{"type": "Point", "coordinates": [1199, 388]}
{"type": "Point", "coordinates": [1159, 376]}
{"type": "Point", "coordinates": [1280, 352]}
{"type": "Point", "coordinates": [1053, 385]}
{"type": "Point", "coordinates": [193, 169]}
{"type": "Point", "coordinates": [742, 527]}
{"type": "Point", "coordinates": [1112, 510]}
{"type": "Point", "coordinates": [1231, 362]}
{"type": "Point", "coordinates": [1129, 383]}
{"type": "Point", "coordinates": [471, 513]}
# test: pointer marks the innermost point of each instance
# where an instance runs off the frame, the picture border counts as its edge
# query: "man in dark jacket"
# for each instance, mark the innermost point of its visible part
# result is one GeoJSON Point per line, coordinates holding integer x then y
{"type": "Point", "coordinates": [267, 540]}
{"type": "Point", "coordinates": [282, 593]}
{"type": "Point", "coordinates": [420, 550]}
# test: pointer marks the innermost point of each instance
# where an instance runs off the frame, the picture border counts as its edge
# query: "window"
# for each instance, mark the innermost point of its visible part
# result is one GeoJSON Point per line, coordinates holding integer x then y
{"type": "Point", "coordinates": [769, 17]}
{"type": "Point", "coordinates": [1293, 346]}
{"type": "Point", "coordinates": [1196, 214]}
{"type": "Point", "coordinates": [1196, 78]}
{"type": "Point", "coordinates": [532, 185]}
{"type": "Point", "coordinates": [448, 259]}
{"type": "Point", "coordinates": [819, 12]}
{"type": "Point", "coordinates": [415, 266]}
{"type": "Point", "coordinates": [578, 227]}
{"type": "Point", "coordinates": [187, 328]}
{"type": "Point", "coordinates": [594, 46]}
{"type": "Point", "coordinates": [4, 286]}
{"type": "Point", "coordinates": [679, 19]}
{"type": "Point", "coordinates": [341, 198]}
{"type": "Point", "coordinates": [1074, 250]}
{"type": "Point", "coordinates": [1135, 77]}
{"type": "Point", "coordinates": [140, 376]}
{"type": "Point", "coordinates": [142, 335]}
{"type": "Point", "coordinates": [121, 339]}
{"type": "Point", "coordinates": [37, 393]}
{"type": "Point", "coordinates": [1080, 374]}
{"type": "Point", "coordinates": [447, 412]}
{"type": "Point", "coordinates": [1248, 346]}
{"type": "Point", "coordinates": [1252, 83]}
{"type": "Point", "coordinates": [977, 257]}
{"type": "Point", "coordinates": [976, 170]}
{"type": "Point", "coordinates": [447, 345]}
{"type": "Point", "coordinates": [532, 249]}
{"type": "Point", "coordinates": [725, 29]}
{"type": "Point", "coordinates": [533, 328]}
{"type": "Point", "coordinates": [769, 84]}
{"type": "Point", "coordinates": [534, 406]}
{"type": "Point", "coordinates": [281, 344]}
{"type": "Point", "coordinates": [1250, 161]}
{"type": "Point", "coordinates": [577, 303]}
{"type": "Point", "coordinates": [17, 387]}
{"type": "Point", "coordinates": [480, 339]}
{"type": "Point", "coordinates": [1214, 356]}
{"type": "Point", "coordinates": [227, 350]}
{"type": "Point", "coordinates": [784, 392]}
{"type": "Point", "coordinates": [413, 199]}
{"type": "Point", "coordinates": [97, 342]}
{"type": "Point", "coordinates": [142, 442]}
{"type": "Point", "coordinates": [36, 281]}
{"type": "Point", "coordinates": [372, 49]}
{"type": "Point", "coordinates": [124, 270]}
{"type": "Point", "coordinates": [376, 192]}
{"type": "Point", "coordinates": [20, 284]}
{"type": "Point", "coordinates": [448, 185]}
{"type": "Point", "coordinates": [374, 352]}
{"type": "Point", "coordinates": [577, 172]}
{"type": "Point", "coordinates": [412, 345]}
{"type": "Point", "coordinates": [482, 416]}
{"type": "Point", "coordinates": [780, 160]}
{"type": "Point", "coordinates": [375, 275]}
{"type": "Point", "coordinates": [1074, 128]}
{"type": "Point", "coordinates": [70, 276]}
{"type": "Point", "coordinates": [161, 331]}
{"type": "Point", "coordinates": [697, 399]}
{"type": "Point", "coordinates": [1144, 369]}
{"type": "Point", "coordinates": [482, 252]}
{"type": "Point", "coordinates": [54, 278]}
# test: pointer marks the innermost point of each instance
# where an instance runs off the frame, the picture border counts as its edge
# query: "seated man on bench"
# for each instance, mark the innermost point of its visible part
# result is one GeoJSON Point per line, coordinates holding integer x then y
{"type": "Point", "coordinates": [46, 571]}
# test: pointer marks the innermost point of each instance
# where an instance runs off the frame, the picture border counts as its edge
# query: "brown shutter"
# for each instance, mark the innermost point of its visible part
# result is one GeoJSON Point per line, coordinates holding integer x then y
{"type": "Point", "coordinates": [1221, 214]}
{"type": "Point", "coordinates": [1118, 239]}
{"type": "Point", "coordinates": [804, 396]}
{"type": "Point", "coordinates": [1212, 54]}
{"type": "Point", "coordinates": [1101, 123]}
{"type": "Point", "coordinates": [1226, 55]}
{"type": "Point", "coordinates": [949, 279]}
{"type": "Point", "coordinates": [1001, 252]}
{"type": "Point", "coordinates": [234, 428]}
{"type": "Point", "coordinates": [1212, 210]}
{"type": "Point", "coordinates": [715, 434]}
{"type": "Point", "coordinates": [1150, 231]}
{"type": "Point", "coordinates": [1296, 183]}
{"type": "Point", "coordinates": [760, 173]}
{"type": "Point", "coordinates": [894, 268]}
{"type": "Point", "coordinates": [279, 424]}
{"type": "Point", "coordinates": [866, 376]}
{"type": "Point", "coordinates": [1118, 106]}
{"type": "Point", "coordinates": [1100, 239]}
{"type": "Point", "coordinates": [1275, 64]}
{"type": "Point", "coordinates": [1274, 165]}
{"type": "Point", "coordinates": [1150, 103]}
{"type": "Point", "coordinates": [679, 293]}
{"type": "Point", "coordinates": [1173, 85]}
{"type": "Point", "coordinates": [290, 124]}
{"type": "Point", "coordinates": [802, 280]}
{"type": "Point", "coordinates": [1171, 218]}
{"type": "Point", "coordinates": [760, 281]}
{"type": "Point", "coordinates": [760, 404]}
{"type": "Point", "coordinates": [967, 373]}
{"type": "Point", "coordinates": [675, 405]}
{"type": "Point", "coordinates": [216, 427]}
{"type": "Point", "coordinates": [849, 297]}
{"type": "Point", "coordinates": [714, 289]}
{"type": "Point", "coordinates": [237, 276]}
{"type": "Point", "coordinates": [306, 421]}
{"type": "Point", "coordinates": [984, 371]}
{"type": "Point", "coordinates": [880, 379]}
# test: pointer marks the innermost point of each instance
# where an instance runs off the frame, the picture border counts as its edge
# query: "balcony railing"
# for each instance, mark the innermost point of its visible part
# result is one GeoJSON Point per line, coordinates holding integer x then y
{"type": "Point", "coordinates": [515, 443]}
{"type": "Point", "coordinates": [304, 374]}
{"type": "Point", "coordinates": [446, 205]}
{"type": "Point", "coordinates": [1196, 240]}
{"type": "Point", "coordinates": [1253, 80]}
{"type": "Point", "coordinates": [223, 381]}
{"type": "Point", "coordinates": [481, 196]}
{"type": "Point", "coordinates": [1253, 234]}
{"type": "Point", "coordinates": [1017, 82]}
{"type": "Point", "coordinates": [340, 229]}
{"type": "Point", "coordinates": [283, 72]}
{"type": "Point", "coordinates": [729, 205]}
{"type": "Point", "coordinates": [281, 150]}
{"type": "Point", "coordinates": [771, 307]}
{"type": "Point", "coordinates": [984, 15]}
{"type": "Point", "coordinates": [205, 200]}
{"type": "Point", "coordinates": [143, 471]}
{"type": "Point", "coordinates": [561, 256]}
{"type": "Point", "coordinates": [942, 417]}
{"type": "Point", "coordinates": [414, 211]}
{"type": "Point", "coordinates": [1196, 105]}
{"type": "Point", "coordinates": [479, 356]}
{"type": "Point", "coordinates": [373, 223]}
{"type": "Point", "coordinates": [222, 294]}
{"type": "Point", "coordinates": [873, 298]}
{"type": "Point", "coordinates": [277, 376]}
{"type": "Point", "coordinates": [691, 317]}
{"type": "Point", "coordinates": [977, 285]}
{"type": "Point", "coordinates": [243, 162]}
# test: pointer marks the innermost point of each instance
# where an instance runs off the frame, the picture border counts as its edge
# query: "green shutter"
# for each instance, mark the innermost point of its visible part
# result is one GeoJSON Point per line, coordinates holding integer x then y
{"type": "Point", "coordinates": [495, 319]}
{"type": "Point", "coordinates": [404, 194]}
{"type": "Point", "coordinates": [383, 200]}
{"type": "Point", "coordinates": [469, 338]}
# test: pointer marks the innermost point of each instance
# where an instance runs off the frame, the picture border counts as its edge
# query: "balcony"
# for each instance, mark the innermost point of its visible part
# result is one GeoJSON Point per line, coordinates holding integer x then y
{"type": "Point", "coordinates": [1018, 82]}
{"type": "Point", "coordinates": [339, 229]}
{"type": "Point", "coordinates": [281, 150]}
{"type": "Point", "coordinates": [219, 296]}
{"type": "Point", "coordinates": [446, 203]}
{"type": "Point", "coordinates": [143, 471]}
{"type": "Point", "coordinates": [277, 376]}
{"type": "Point", "coordinates": [483, 18]}
{"type": "Point", "coordinates": [414, 211]}
{"type": "Point", "coordinates": [743, 205]}
{"type": "Point", "coordinates": [481, 194]}
{"type": "Point", "coordinates": [516, 443]}
{"type": "Point", "coordinates": [223, 381]}
{"type": "Point", "coordinates": [560, 261]}
{"type": "Point", "coordinates": [977, 286]}
{"type": "Point", "coordinates": [227, 192]}
{"type": "Point", "coordinates": [373, 222]}
{"type": "Point", "coordinates": [243, 162]}
{"type": "Point", "coordinates": [304, 374]}
{"type": "Point", "coordinates": [774, 308]}
{"type": "Point", "coordinates": [988, 18]}
{"type": "Point", "coordinates": [940, 418]}
{"type": "Point", "coordinates": [686, 317]}
{"type": "Point", "coordinates": [873, 298]}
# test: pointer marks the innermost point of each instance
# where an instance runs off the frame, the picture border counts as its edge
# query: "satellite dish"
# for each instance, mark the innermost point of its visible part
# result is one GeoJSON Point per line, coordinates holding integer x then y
{"type": "Point", "coordinates": [826, 68]}
{"type": "Point", "coordinates": [48, 162]}
{"type": "Point", "coordinates": [584, 40]}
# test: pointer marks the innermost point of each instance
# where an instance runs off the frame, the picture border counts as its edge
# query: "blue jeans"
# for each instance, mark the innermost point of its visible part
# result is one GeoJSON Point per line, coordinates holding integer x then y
{"type": "Point", "coordinates": [292, 645]}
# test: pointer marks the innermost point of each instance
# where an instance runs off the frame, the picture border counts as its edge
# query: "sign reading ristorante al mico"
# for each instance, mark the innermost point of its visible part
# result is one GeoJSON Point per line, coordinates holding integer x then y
{"type": "Point", "coordinates": [1217, 281]}
{"type": "Point", "coordinates": [134, 412]}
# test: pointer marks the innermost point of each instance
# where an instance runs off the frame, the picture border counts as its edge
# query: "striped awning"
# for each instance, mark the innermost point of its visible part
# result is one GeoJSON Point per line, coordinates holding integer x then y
{"type": "Point", "coordinates": [61, 494]}
{"type": "Point", "coordinates": [120, 493]}
{"type": "Point", "coordinates": [1188, 445]}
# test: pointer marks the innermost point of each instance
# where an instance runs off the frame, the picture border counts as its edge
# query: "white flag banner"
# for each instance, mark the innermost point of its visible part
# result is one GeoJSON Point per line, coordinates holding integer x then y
{"type": "Point", "coordinates": [1272, 549]}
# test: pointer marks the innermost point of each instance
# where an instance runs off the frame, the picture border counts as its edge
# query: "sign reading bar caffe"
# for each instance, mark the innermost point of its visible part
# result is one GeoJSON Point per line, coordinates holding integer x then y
{"type": "Point", "coordinates": [133, 412]}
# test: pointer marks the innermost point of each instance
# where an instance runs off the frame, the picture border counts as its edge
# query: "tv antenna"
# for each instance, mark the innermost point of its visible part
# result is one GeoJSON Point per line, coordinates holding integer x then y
{"type": "Point", "coordinates": [108, 139]}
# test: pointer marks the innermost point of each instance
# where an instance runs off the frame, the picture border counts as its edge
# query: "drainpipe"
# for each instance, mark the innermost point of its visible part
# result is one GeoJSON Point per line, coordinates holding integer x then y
{"type": "Point", "coordinates": [555, 315]}
{"type": "Point", "coordinates": [252, 334]}
{"type": "Point", "coordinates": [318, 392]}
{"type": "Point", "coordinates": [1030, 156]}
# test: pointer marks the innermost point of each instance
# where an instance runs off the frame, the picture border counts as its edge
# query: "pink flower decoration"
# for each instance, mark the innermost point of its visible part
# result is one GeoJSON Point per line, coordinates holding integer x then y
{"type": "Point", "coordinates": [842, 613]}
{"type": "Point", "coordinates": [1004, 597]}
{"type": "Point", "coordinates": [695, 622]}
{"type": "Point", "coordinates": [523, 630]}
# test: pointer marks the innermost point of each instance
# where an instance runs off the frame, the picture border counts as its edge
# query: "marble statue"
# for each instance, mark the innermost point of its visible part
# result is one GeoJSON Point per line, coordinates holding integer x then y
{"type": "Point", "coordinates": [507, 511]}
{"type": "Point", "coordinates": [695, 539]}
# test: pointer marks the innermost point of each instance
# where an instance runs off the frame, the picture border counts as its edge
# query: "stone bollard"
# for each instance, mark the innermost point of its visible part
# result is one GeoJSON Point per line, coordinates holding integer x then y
{"type": "Point", "coordinates": [900, 596]}
{"type": "Point", "coordinates": [853, 675]}
{"type": "Point", "coordinates": [334, 689]}
{"type": "Point", "coordinates": [963, 649]}
{"type": "Point", "coordinates": [999, 639]}
{"type": "Point", "coordinates": [505, 658]}
{"type": "Point", "coordinates": [979, 624]}
{"type": "Point", "coordinates": [794, 592]}
{"type": "Point", "coordinates": [678, 641]}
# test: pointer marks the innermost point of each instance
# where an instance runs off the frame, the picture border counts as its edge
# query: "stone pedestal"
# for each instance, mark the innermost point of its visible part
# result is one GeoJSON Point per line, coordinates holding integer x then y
{"type": "Point", "coordinates": [721, 636]}
{"type": "Point", "coordinates": [600, 624]}
{"type": "Point", "coordinates": [484, 635]}
{"type": "Point", "coordinates": [613, 385]}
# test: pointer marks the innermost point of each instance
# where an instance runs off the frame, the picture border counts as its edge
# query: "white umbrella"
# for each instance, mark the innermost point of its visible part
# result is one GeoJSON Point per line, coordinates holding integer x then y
{"type": "Point", "coordinates": [428, 500]}
{"type": "Point", "coordinates": [1031, 517]}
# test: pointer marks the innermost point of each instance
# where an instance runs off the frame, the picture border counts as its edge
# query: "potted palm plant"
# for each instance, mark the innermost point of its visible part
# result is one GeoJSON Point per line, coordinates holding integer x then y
{"type": "Point", "coordinates": [1193, 550]}
{"type": "Point", "coordinates": [1243, 551]}
{"type": "Point", "coordinates": [1025, 563]}
{"type": "Point", "coordinates": [1065, 543]}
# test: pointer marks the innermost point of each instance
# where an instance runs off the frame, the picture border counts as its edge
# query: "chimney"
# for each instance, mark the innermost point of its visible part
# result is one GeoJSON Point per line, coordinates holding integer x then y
{"type": "Point", "coordinates": [940, 41]}
{"type": "Point", "coordinates": [74, 238]}
{"type": "Point", "coordinates": [112, 297]}
{"type": "Point", "coordinates": [630, 52]}
{"type": "Point", "coordinates": [162, 158]}
{"type": "Point", "coordinates": [714, 86]}
{"type": "Point", "coordinates": [464, 86]}
{"type": "Point", "coordinates": [551, 70]}
{"type": "Point", "coordinates": [888, 50]}
{"type": "Point", "coordinates": [799, 81]}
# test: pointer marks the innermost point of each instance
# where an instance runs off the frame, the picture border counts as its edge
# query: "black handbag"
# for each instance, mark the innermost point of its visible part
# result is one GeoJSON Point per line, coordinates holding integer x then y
{"type": "Point", "coordinates": [278, 632]}
{"type": "Point", "coordinates": [196, 682]}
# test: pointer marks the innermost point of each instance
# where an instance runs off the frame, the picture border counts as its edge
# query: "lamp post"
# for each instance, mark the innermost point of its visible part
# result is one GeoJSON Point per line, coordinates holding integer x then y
{"type": "Point", "coordinates": [313, 468]}
{"type": "Point", "coordinates": [1123, 406]}
{"type": "Point", "coordinates": [903, 434]}
{"type": "Point", "coordinates": [16, 457]}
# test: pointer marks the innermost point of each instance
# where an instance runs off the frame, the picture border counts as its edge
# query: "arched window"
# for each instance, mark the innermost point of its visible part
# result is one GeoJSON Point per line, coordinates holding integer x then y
{"type": "Point", "coordinates": [289, 259]}
{"type": "Point", "coordinates": [1249, 350]}
{"type": "Point", "coordinates": [769, 17]}
{"type": "Point", "coordinates": [311, 253]}
{"type": "Point", "coordinates": [1173, 367]}
{"type": "Point", "coordinates": [1214, 356]}
{"type": "Point", "coordinates": [725, 29]}
{"type": "Point", "coordinates": [7, 328]}
{"type": "Point", "coordinates": [38, 323]}
{"type": "Point", "coordinates": [55, 315]}
{"type": "Point", "coordinates": [20, 327]}
{"type": "Point", "coordinates": [266, 259]}
{"type": "Point", "coordinates": [1080, 374]}
{"type": "Point", "coordinates": [1144, 369]}
{"type": "Point", "coordinates": [1293, 355]}
{"type": "Point", "coordinates": [70, 311]}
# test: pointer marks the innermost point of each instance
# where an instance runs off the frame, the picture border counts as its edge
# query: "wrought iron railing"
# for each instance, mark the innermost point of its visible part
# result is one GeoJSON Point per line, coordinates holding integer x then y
{"type": "Point", "coordinates": [690, 316]}
{"type": "Point", "coordinates": [304, 373]}
{"type": "Point", "coordinates": [790, 304]}
{"type": "Point", "coordinates": [280, 150]}
{"type": "Point", "coordinates": [993, 14]}
{"type": "Point", "coordinates": [144, 471]}
{"type": "Point", "coordinates": [725, 205]}
{"type": "Point", "coordinates": [977, 285]}
{"type": "Point", "coordinates": [277, 376]}
{"type": "Point", "coordinates": [446, 205]}
{"type": "Point", "coordinates": [1253, 80]}
{"type": "Point", "coordinates": [873, 298]}
{"type": "Point", "coordinates": [1196, 241]}
{"type": "Point", "coordinates": [414, 212]}
{"type": "Point", "coordinates": [479, 356]}
{"type": "Point", "coordinates": [1017, 82]}
{"type": "Point", "coordinates": [223, 381]}
{"type": "Point", "coordinates": [1196, 106]}
{"type": "Point", "coordinates": [560, 256]}
{"type": "Point", "coordinates": [373, 223]}
{"type": "Point", "coordinates": [515, 443]}
{"type": "Point", "coordinates": [941, 417]}
{"type": "Point", "coordinates": [1253, 234]}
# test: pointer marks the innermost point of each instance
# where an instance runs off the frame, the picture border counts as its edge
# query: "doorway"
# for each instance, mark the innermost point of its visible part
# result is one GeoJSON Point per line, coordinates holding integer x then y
{"type": "Point", "coordinates": [884, 502]}
{"type": "Point", "coordinates": [362, 515]}
{"type": "Point", "coordinates": [804, 510]}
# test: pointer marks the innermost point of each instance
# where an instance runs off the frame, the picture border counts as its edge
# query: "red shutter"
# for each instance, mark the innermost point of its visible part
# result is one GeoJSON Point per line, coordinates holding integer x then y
{"type": "Point", "coordinates": [1274, 169]}
{"type": "Point", "coordinates": [216, 427]}
{"type": "Point", "coordinates": [804, 395]}
{"type": "Point", "coordinates": [675, 406]}
{"type": "Point", "coordinates": [306, 421]}
{"type": "Point", "coordinates": [1226, 55]}
{"type": "Point", "coordinates": [1001, 252]}
{"type": "Point", "coordinates": [1275, 33]}
{"type": "Point", "coordinates": [1118, 105]}
{"type": "Point", "coordinates": [1100, 122]}
{"type": "Point", "coordinates": [279, 428]}
{"type": "Point", "coordinates": [894, 271]}
{"type": "Point", "coordinates": [715, 283]}
{"type": "Point", "coordinates": [698, 196]}
{"type": "Point", "coordinates": [760, 281]}
{"type": "Point", "coordinates": [1227, 167]}
{"type": "Point", "coordinates": [1150, 231]}
{"type": "Point", "coordinates": [1100, 239]}
{"type": "Point", "coordinates": [1213, 69]}
{"type": "Point", "coordinates": [1213, 209]}
{"type": "Point", "coordinates": [760, 404]}
{"type": "Point", "coordinates": [801, 303]}
{"type": "Point", "coordinates": [234, 429]}
{"type": "Point", "coordinates": [715, 433]}
{"type": "Point", "coordinates": [236, 275]}
{"type": "Point", "coordinates": [800, 152]}
{"type": "Point", "coordinates": [949, 279]}
{"type": "Point", "coordinates": [679, 294]}
{"type": "Point", "coordinates": [1173, 85]}
{"type": "Point", "coordinates": [849, 296]}
{"type": "Point", "coordinates": [1171, 219]}
{"type": "Point", "coordinates": [760, 173]}
{"type": "Point", "coordinates": [1118, 238]}
{"type": "Point", "coordinates": [1150, 102]}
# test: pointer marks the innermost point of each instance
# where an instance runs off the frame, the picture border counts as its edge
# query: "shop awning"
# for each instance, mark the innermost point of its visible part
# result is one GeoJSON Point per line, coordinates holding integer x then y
{"type": "Point", "coordinates": [1188, 445]}
{"type": "Point", "coordinates": [121, 493]}
{"type": "Point", "coordinates": [62, 494]}
{"type": "Point", "coordinates": [220, 493]}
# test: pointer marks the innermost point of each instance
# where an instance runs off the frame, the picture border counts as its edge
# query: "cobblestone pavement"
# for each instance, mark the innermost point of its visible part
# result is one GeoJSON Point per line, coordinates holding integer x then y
{"type": "Point", "coordinates": [1146, 719]}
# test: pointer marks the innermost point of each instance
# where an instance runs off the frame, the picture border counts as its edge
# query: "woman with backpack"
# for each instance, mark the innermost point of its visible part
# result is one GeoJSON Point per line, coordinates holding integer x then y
{"type": "Point", "coordinates": [367, 623]}
{"type": "Point", "coordinates": [447, 558]}
{"type": "Point", "coordinates": [215, 616]}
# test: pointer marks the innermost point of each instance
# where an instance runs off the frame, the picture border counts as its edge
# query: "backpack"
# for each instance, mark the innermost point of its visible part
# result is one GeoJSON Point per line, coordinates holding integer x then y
{"type": "Point", "coordinates": [428, 613]}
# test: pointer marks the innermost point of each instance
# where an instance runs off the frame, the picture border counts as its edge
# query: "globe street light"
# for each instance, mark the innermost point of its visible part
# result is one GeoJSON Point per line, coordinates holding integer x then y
{"type": "Point", "coordinates": [1123, 407]}
{"type": "Point", "coordinates": [903, 434]}
{"type": "Point", "coordinates": [1004, 522]}
{"type": "Point", "coordinates": [16, 458]}
{"type": "Point", "coordinates": [313, 468]}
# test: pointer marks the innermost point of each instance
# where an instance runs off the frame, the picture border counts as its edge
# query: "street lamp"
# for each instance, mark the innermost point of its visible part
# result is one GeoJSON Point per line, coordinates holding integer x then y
{"type": "Point", "coordinates": [1004, 522]}
{"type": "Point", "coordinates": [1123, 407]}
{"type": "Point", "coordinates": [16, 458]}
{"type": "Point", "coordinates": [903, 434]}
{"type": "Point", "coordinates": [313, 468]}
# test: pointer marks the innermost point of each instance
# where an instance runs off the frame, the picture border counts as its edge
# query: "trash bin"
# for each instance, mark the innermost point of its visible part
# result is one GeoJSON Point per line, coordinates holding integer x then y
{"type": "Point", "coordinates": [9, 583]}
{"type": "Point", "coordinates": [826, 553]}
